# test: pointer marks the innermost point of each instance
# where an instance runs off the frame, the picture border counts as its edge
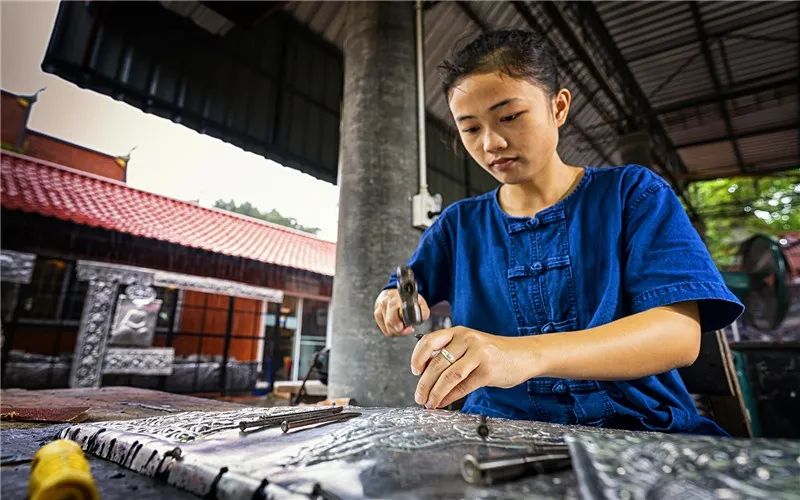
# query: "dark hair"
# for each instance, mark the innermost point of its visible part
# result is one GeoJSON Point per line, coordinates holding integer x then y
{"type": "Point", "coordinates": [516, 53]}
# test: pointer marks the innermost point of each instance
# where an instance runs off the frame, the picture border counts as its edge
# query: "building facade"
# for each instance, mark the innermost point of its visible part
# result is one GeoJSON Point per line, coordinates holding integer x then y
{"type": "Point", "coordinates": [106, 284]}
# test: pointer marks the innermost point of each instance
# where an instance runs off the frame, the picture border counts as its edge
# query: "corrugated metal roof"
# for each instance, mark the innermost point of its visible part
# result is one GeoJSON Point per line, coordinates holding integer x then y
{"type": "Point", "coordinates": [750, 44]}
{"type": "Point", "coordinates": [706, 112]}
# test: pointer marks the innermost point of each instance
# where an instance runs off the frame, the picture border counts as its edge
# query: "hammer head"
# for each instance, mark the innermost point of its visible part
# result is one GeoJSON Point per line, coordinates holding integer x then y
{"type": "Point", "coordinates": [407, 287]}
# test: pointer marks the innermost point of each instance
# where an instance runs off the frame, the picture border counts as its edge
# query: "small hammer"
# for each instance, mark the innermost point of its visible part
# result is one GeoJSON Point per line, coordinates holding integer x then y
{"type": "Point", "coordinates": [407, 287]}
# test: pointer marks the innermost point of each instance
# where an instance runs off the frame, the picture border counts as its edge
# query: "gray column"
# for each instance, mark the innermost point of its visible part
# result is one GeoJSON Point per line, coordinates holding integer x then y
{"type": "Point", "coordinates": [377, 176]}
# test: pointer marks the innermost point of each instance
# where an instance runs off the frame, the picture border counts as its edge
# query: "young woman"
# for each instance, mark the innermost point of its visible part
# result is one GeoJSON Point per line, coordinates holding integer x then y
{"type": "Point", "coordinates": [576, 291]}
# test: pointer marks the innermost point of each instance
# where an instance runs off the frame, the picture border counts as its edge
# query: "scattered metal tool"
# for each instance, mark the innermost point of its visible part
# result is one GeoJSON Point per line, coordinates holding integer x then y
{"type": "Point", "coordinates": [166, 408]}
{"type": "Point", "coordinates": [486, 472]}
{"type": "Point", "coordinates": [320, 493]}
{"type": "Point", "coordinates": [276, 420]}
{"type": "Point", "coordinates": [483, 428]}
{"type": "Point", "coordinates": [288, 425]}
{"type": "Point", "coordinates": [407, 287]}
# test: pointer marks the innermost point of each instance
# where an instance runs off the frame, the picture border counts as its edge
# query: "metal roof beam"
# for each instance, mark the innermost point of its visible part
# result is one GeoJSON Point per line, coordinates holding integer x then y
{"type": "Point", "coordinates": [524, 11]}
{"type": "Point", "coordinates": [733, 93]}
{"type": "Point", "coordinates": [762, 172]}
{"type": "Point", "coordinates": [526, 14]}
{"type": "Point", "coordinates": [464, 6]}
{"type": "Point", "coordinates": [763, 38]}
{"type": "Point", "coordinates": [741, 135]}
{"type": "Point", "coordinates": [712, 73]}
{"type": "Point", "coordinates": [583, 54]}
{"type": "Point", "coordinates": [638, 109]}
{"type": "Point", "coordinates": [781, 9]}
{"type": "Point", "coordinates": [599, 150]}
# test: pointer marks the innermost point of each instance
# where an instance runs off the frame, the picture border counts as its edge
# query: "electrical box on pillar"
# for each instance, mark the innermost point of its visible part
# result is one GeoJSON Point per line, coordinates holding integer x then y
{"type": "Point", "coordinates": [425, 207]}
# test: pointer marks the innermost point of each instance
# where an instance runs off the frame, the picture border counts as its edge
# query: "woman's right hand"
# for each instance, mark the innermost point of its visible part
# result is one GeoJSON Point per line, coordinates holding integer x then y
{"type": "Point", "coordinates": [388, 313]}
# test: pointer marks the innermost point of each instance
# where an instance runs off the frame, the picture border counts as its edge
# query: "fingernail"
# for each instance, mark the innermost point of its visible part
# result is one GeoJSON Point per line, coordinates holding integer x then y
{"type": "Point", "coordinates": [414, 371]}
{"type": "Point", "coordinates": [418, 398]}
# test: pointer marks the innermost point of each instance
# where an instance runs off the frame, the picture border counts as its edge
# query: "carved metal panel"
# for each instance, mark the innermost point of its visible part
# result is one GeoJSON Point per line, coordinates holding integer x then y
{"type": "Point", "coordinates": [214, 285]}
{"type": "Point", "coordinates": [112, 273]}
{"type": "Point", "coordinates": [16, 267]}
{"type": "Point", "coordinates": [654, 466]}
{"type": "Point", "coordinates": [135, 320]}
{"type": "Point", "coordinates": [90, 347]}
{"type": "Point", "coordinates": [135, 317]}
{"type": "Point", "coordinates": [152, 361]}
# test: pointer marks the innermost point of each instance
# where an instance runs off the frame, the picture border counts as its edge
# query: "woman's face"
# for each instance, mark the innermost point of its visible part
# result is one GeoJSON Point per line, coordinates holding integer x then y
{"type": "Point", "coordinates": [508, 125]}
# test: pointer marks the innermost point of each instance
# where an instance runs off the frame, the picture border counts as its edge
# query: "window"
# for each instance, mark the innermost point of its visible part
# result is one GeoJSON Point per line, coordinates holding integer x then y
{"type": "Point", "coordinates": [312, 338]}
{"type": "Point", "coordinates": [53, 294]}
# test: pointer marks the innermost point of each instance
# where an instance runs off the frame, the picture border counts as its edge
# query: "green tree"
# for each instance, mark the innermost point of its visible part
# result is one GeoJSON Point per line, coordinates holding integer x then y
{"type": "Point", "coordinates": [273, 215]}
{"type": "Point", "coordinates": [736, 208]}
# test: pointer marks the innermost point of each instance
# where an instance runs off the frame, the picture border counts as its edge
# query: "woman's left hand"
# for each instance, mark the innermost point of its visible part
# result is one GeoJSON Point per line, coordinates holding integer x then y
{"type": "Point", "coordinates": [480, 360]}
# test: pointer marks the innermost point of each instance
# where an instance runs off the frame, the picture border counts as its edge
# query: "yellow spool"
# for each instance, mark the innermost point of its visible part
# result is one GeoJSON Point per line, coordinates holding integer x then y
{"type": "Point", "coordinates": [59, 471]}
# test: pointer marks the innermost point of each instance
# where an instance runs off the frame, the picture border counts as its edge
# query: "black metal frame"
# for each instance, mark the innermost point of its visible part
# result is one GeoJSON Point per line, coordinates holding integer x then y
{"type": "Point", "coordinates": [712, 73]}
{"type": "Point", "coordinates": [741, 135]}
{"type": "Point", "coordinates": [608, 116]}
{"type": "Point", "coordinates": [638, 112]}
{"type": "Point", "coordinates": [721, 31]}
{"type": "Point", "coordinates": [741, 89]}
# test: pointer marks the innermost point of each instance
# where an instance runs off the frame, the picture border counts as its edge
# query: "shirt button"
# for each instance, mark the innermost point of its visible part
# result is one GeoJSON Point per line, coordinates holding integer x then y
{"type": "Point", "coordinates": [537, 267]}
{"type": "Point", "coordinates": [548, 328]}
{"type": "Point", "coordinates": [559, 388]}
{"type": "Point", "coordinates": [534, 222]}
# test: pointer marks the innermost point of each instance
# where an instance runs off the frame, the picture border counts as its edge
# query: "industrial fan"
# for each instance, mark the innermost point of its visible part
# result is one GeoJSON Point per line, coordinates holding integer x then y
{"type": "Point", "coordinates": [763, 282]}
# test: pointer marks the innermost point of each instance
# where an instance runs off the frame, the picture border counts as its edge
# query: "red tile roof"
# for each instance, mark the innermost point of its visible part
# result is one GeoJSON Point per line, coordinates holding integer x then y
{"type": "Point", "coordinates": [52, 190]}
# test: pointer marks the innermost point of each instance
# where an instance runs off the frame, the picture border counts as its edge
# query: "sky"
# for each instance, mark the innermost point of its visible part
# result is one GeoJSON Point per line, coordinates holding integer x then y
{"type": "Point", "coordinates": [169, 159]}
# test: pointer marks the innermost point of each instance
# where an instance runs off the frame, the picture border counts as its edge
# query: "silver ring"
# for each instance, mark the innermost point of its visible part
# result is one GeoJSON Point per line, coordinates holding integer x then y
{"type": "Point", "coordinates": [448, 356]}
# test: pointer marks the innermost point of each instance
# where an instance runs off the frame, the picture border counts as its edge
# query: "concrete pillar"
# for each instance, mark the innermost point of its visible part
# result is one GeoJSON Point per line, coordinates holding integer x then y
{"type": "Point", "coordinates": [377, 176]}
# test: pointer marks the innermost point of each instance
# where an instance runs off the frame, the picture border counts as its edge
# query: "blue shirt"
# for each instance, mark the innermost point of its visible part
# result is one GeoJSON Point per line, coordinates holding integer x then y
{"type": "Point", "coordinates": [619, 244]}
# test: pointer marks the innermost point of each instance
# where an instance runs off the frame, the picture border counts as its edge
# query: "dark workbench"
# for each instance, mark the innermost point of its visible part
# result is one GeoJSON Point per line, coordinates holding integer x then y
{"type": "Point", "coordinates": [416, 453]}
{"type": "Point", "coordinates": [390, 453]}
{"type": "Point", "coordinates": [20, 440]}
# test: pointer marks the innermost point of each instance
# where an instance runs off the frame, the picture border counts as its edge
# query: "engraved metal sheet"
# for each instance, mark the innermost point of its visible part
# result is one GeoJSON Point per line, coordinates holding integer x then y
{"type": "Point", "coordinates": [134, 321]}
{"type": "Point", "coordinates": [113, 273]}
{"type": "Point", "coordinates": [650, 466]}
{"type": "Point", "coordinates": [415, 453]}
{"type": "Point", "coordinates": [92, 335]}
{"type": "Point", "coordinates": [90, 348]}
{"type": "Point", "coordinates": [132, 361]}
{"type": "Point", "coordinates": [397, 453]}
{"type": "Point", "coordinates": [16, 267]}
